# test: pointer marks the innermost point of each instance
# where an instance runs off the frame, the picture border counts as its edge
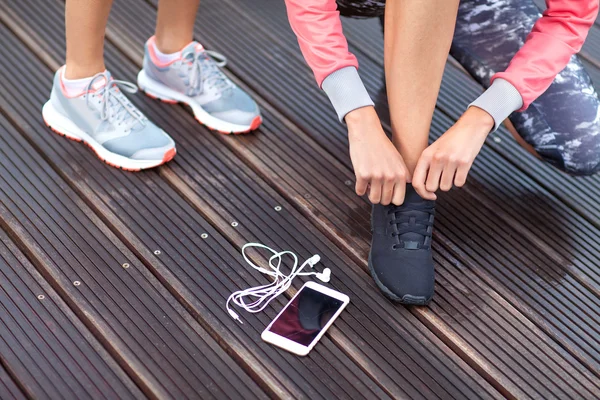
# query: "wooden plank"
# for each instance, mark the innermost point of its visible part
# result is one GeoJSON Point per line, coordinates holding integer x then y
{"type": "Point", "coordinates": [253, 16]}
{"type": "Point", "coordinates": [302, 377]}
{"type": "Point", "coordinates": [98, 299]}
{"type": "Point", "coordinates": [423, 383]}
{"type": "Point", "coordinates": [8, 387]}
{"type": "Point", "coordinates": [152, 336]}
{"type": "Point", "coordinates": [201, 25]}
{"type": "Point", "coordinates": [47, 350]}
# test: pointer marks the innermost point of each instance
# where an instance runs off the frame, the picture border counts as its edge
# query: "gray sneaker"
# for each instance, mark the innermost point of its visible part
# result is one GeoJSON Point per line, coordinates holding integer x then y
{"type": "Point", "coordinates": [196, 80]}
{"type": "Point", "coordinates": [104, 119]}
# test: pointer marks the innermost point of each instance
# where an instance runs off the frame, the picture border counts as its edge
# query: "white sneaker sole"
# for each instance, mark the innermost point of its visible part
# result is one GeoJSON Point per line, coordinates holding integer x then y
{"type": "Point", "coordinates": [161, 92]}
{"type": "Point", "coordinates": [65, 127]}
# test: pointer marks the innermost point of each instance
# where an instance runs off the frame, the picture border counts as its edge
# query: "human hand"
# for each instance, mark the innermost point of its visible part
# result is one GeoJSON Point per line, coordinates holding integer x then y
{"type": "Point", "coordinates": [378, 166]}
{"type": "Point", "coordinates": [448, 160]}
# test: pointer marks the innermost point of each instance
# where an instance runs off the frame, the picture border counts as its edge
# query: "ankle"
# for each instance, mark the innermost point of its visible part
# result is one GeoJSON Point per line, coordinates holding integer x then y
{"type": "Point", "coordinates": [77, 71]}
{"type": "Point", "coordinates": [168, 44]}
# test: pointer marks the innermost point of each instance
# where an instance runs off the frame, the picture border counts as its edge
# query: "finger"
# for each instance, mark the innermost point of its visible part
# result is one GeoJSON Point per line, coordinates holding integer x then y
{"type": "Point", "coordinates": [461, 175]}
{"type": "Point", "coordinates": [361, 186]}
{"type": "Point", "coordinates": [399, 191]}
{"type": "Point", "coordinates": [433, 176]}
{"type": "Point", "coordinates": [387, 192]}
{"type": "Point", "coordinates": [375, 191]}
{"type": "Point", "coordinates": [419, 176]}
{"type": "Point", "coordinates": [448, 176]}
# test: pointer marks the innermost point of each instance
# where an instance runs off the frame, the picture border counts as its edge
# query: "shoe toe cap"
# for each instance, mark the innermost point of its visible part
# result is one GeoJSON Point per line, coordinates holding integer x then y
{"type": "Point", "coordinates": [147, 143]}
{"type": "Point", "coordinates": [408, 277]}
{"type": "Point", "coordinates": [237, 117]}
{"type": "Point", "coordinates": [237, 107]}
{"type": "Point", "coordinates": [164, 153]}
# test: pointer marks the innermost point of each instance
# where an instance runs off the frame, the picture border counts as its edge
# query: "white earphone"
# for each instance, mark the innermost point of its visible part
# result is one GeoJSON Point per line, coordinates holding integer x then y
{"type": "Point", "coordinates": [262, 295]}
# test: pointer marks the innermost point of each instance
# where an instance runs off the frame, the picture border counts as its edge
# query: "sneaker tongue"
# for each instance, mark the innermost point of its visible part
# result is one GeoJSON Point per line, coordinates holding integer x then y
{"type": "Point", "coordinates": [193, 48]}
{"type": "Point", "coordinates": [100, 81]}
{"type": "Point", "coordinates": [412, 217]}
{"type": "Point", "coordinates": [411, 195]}
{"type": "Point", "coordinates": [135, 124]}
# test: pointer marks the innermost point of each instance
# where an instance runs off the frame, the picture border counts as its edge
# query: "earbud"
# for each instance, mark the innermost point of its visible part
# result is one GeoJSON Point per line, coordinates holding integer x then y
{"type": "Point", "coordinates": [314, 260]}
{"type": "Point", "coordinates": [324, 276]}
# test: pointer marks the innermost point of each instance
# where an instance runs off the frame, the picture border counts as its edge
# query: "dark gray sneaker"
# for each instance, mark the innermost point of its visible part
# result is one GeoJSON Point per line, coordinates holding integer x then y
{"type": "Point", "coordinates": [400, 260]}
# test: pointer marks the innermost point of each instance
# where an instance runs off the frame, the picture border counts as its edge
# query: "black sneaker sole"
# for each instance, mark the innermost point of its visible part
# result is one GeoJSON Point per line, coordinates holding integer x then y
{"type": "Point", "coordinates": [407, 299]}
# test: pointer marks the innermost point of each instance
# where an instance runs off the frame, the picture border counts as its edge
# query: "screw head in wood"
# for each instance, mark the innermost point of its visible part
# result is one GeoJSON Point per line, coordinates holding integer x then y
{"type": "Point", "coordinates": [277, 208]}
{"type": "Point", "coordinates": [157, 252]}
{"type": "Point", "coordinates": [307, 196]}
{"type": "Point", "coordinates": [125, 265]}
{"type": "Point", "coordinates": [41, 296]}
{"type": "Point", "coordinates": [76, 283]}
{"type": "Point", "coordinates": [234, 224]}
{"type": "Point", "coordinates": [497, 139]}
{"type": "Point", "coordinates": [204, 235]}
{"type": "Point", "coordinates": [348, 182]}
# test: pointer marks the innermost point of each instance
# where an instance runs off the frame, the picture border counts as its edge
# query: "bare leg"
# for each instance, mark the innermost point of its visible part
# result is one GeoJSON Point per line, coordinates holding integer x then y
{"type": "Point", "coordinates": [175, 24]}
{"type": "Point", "coordinates": [85, 23]}
{"type": "Point", "coordinates": [417, 41]}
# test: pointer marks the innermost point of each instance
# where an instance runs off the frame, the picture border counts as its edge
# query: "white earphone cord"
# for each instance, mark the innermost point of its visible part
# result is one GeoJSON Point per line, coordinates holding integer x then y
{"type": "Point", "coordinates": [261, 296]}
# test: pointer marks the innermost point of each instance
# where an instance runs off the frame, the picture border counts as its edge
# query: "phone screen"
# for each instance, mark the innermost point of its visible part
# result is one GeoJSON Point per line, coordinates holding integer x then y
{"type": "Point", "coordinates": [305, 316]}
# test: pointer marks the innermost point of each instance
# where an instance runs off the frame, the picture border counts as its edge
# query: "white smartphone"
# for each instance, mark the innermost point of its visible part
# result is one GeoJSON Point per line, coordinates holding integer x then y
{"type": "Point", "coordinates": [305, 319]}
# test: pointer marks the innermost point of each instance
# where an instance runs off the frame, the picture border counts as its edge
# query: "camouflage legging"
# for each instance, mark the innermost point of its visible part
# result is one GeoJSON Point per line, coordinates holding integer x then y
{"type": "Point", "coordinates": [563, 124]}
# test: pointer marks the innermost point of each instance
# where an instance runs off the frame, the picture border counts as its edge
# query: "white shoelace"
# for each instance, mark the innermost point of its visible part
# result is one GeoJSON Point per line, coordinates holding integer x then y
{"type": "Point", "coordinates": [205, 70]}
{"type": "Point", "coordinates": [114, 105]}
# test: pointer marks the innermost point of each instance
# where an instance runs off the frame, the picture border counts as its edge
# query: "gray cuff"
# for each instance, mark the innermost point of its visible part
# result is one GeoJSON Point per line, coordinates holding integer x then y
{"type": "Point", "coordinates": [499, 100]}
{"type": "Point", "coordinates": [346, 91]}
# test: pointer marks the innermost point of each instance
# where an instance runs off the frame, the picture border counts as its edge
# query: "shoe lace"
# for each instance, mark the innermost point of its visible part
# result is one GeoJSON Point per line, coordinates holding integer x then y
{"type": "Point", "coordinates": [412, 224]}
{"type": "Point", "coordinates": [114, 105]}
{"type": "Point", "coordinates": [205, 70]}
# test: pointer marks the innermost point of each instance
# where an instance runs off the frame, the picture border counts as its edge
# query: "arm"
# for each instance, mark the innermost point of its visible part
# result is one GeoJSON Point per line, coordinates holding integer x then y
{"type": "Point", "coordinates": [318, 28]}
{"type": "Point", "coordinates": [554, 39]}
{"type": "Point", "coordinates": [378, 167]}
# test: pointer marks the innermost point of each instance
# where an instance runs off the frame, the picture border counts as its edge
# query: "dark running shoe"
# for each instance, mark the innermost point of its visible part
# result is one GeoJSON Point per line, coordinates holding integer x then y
{"type": "Point", "coordinates": [400, 260]}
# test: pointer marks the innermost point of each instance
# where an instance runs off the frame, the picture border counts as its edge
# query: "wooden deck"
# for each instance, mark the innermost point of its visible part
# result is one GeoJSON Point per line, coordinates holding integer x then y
{"type": "Point", "coordinates": [113, 284]}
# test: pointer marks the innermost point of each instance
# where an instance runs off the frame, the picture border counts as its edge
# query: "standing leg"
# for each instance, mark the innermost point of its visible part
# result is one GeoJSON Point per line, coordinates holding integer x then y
{"type": "Point", "coordinates": [416, 50]}
{"type": "Point", "coordinates": [175, 24]}
{"type": "Point", "coordinates": [85, 23]}
{"type": "Point", "coordinates": [417, 39]}
{"type": "Point", "coordinates": [179, 70]}
{"type": "Point", "coordinates": [563, 125]}
{"type": "Point", "coordinates": [86, 104]}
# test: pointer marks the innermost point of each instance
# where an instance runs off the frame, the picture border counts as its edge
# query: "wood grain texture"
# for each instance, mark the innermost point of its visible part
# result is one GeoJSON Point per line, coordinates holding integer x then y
{"type": "Point", "coordinates": [516, 307]}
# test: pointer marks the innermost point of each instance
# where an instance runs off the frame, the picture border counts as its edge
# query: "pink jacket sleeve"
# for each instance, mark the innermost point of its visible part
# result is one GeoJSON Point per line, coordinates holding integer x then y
{"type": "Point", "coordinates": [555, 37]}
{"type": "Point", "coordinates": [318, 28]}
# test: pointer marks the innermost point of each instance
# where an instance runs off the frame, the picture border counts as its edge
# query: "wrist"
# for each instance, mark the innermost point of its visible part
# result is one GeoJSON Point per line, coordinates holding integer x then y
{"type": "Point", "coordinates": [361, 115]}
{"type": "Point", "coordinates": [478, 119]}
{"type": "Point", "coordinates": [363, 122]}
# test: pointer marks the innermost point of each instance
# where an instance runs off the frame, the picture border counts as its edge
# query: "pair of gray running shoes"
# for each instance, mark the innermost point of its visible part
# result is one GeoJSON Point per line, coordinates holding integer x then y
{"type": "Point", "coordinates": [104, 118]}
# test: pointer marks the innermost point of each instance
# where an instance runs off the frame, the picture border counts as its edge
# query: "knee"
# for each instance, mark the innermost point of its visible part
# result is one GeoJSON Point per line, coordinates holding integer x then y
{"type": "Point", "coordinates": [583, 168]}
{"type": "Point", "coordinates": [579, 158]}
